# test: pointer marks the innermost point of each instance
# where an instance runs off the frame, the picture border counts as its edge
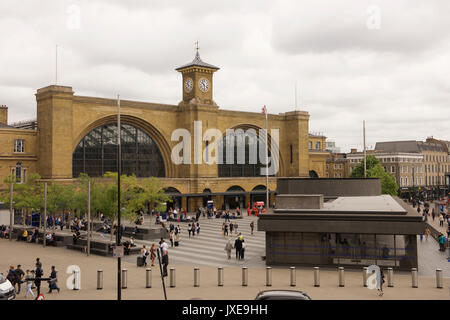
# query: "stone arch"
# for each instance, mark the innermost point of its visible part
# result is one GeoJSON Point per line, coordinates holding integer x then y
{"type": "Point", "coordinates": [313, 174]}
{"type": "Point", "coordinates": [246, 126]}
{"type": "Point", "coordinates": [235, 188]}
{"type": "Point", "coordinates": [147, 127]}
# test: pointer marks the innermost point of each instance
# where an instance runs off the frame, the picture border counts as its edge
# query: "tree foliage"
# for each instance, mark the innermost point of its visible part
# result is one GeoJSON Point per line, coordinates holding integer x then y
{"type": "Point", "coordinates": [374, 169]}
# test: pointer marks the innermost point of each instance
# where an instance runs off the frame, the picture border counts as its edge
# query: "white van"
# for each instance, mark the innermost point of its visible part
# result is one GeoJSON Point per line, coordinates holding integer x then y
{"type": "Point", "coordinates": [7, 291]}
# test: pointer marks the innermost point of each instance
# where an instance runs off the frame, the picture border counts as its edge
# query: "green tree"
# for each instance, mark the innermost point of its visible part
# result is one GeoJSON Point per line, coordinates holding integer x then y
{"type": "Point", "coordinates": [374, 169]}
{"type": "Point", "coordinates": [27, 196]}
{"type": "Point", "coordinates": [146, 193]}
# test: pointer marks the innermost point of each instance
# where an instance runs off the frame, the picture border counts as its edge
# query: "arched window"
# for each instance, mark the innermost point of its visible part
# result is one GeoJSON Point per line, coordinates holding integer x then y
{"type": "Point", "coordinates": [19, 172]}
{"type": "Point", "coordinates": [96, 153]}
{"type": "Point", "coordinates": [244, 160]}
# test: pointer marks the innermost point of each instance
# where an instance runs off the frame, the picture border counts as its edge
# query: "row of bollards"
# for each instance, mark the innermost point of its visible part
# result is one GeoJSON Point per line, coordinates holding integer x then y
{"type": "Point", "coordinates": [293, 281]}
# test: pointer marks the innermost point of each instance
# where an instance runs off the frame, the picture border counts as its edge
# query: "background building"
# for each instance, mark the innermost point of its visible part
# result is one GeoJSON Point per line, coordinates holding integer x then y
{"type": "Point", "coordinates": [436, 159]}
{"type": "Point", "coordinates": [317, 155]}
{"type": "Point", "coordinates": [407, 168]}
{"type": "Point", "coordinates": [337, 166]}
{"type": "Point", "coordinates": [74, 134]}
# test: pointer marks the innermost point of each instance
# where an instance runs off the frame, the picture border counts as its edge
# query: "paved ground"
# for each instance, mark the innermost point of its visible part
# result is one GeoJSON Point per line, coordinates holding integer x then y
{"type": "Point", "coordinates": [19, 252]}
{"type": "Point", "coordinates": [207, 249]}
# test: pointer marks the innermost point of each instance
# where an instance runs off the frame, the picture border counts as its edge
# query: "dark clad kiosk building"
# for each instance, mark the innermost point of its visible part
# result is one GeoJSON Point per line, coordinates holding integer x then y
{"type": "Point", "coordinates": [339, 222]}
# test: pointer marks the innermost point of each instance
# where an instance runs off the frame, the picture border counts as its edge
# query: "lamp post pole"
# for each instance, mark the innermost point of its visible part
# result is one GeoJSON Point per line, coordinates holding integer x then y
{"type": "Point", "coordinates": [11, 212]}
{"type": "Point", "coordinates": [118, 231]}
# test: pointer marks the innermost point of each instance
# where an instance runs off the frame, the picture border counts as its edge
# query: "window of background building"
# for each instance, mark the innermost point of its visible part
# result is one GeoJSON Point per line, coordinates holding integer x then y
{"type": "Point", "coordinates": [290, 150]}
{"type": "Point", "coordinates": [19, 145]}
{"type": "Point", "coordinates": [310, 145]}
{"type": "Point", "coordinates": [19, 172]}
{"type": "Point", "coordinates": [393, 169]}
{"type": "Point", "coordinates": [317, 145]}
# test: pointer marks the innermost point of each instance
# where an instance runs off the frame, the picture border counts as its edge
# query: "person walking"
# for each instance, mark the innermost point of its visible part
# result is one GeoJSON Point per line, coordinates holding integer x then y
{"type": "Point", "coordinates": [165, 261]}
{"type": "Point", "coordinates": [189, 229]}
{"type": "Point", "coordinates": [252, 226]}
{"type": "Point", "coordinates": [235, 227]}
{"type": "Point", "coordinates": [18, 275]}
{"type": "Point", "coordinates": [144, 254]}
{"type": "Point", "coordinates": [238, 247]}
{"type": "Point", "coordinates": [29, 283]}
{"type": "Point", "coordinates": [228, 248]}
{"type": "Point", "coordinates": [231, 228]}
{"type": "Point", "coordinates": [172, 237]}
{"type": "Point", "coordinates": [38, 275]}
{"type": "Point", "coordinates": [198, 228]}
{"type": "Point", "coordinates": [153, 254]}
{"type": "Point", "coordinates": [433, 214]}
{"type": "Point", "coordinates": [243, 250]}
{"type": "Point", "coordinates": [380, 285]}
{"type": "Point", "coordinates": [53, 280]}
{"type": "Point", "coordinates": [226, 230]}
{"type": "Point", "coordinates": [11, 275]}
{"type": "Point", "coordinates": [441, 220]}
{"type": "Point", "coordinates": [193, 229]}
{"type": "Point", "coordinates": [427, 233]}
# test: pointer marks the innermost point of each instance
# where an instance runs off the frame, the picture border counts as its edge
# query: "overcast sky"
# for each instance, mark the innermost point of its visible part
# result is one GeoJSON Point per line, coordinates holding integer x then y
{"type": "Point", "coordinates": [387, 62]}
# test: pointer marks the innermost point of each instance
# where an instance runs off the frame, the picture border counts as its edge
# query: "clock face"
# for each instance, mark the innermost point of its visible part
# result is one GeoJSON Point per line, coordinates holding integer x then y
{"type": "Point", "coordinates": [188, 84]}
{"type": "Point", "coordinates": [203, 84]}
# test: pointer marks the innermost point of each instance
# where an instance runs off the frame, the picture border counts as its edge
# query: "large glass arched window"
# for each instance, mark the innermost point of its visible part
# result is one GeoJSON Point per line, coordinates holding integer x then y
{"type": "Point", "coordinates": [246, 152]}
{"type": "Point", "coordinates": [96, 153]}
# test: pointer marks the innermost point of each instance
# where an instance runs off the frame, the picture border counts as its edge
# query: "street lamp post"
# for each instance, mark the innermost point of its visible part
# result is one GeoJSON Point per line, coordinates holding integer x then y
{"type": "Point", "coordinates": [11, 212]}
{"type": "Point", "coordinates": [118, 232]}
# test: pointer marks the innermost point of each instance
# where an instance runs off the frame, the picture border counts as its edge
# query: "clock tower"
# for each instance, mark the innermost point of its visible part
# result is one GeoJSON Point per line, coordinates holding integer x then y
{"type": "Point", "coordinates": [197, 81]}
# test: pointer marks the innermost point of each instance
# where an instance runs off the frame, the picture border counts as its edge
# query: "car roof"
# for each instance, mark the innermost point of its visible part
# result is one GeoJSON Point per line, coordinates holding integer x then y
{"type": "Point", "coordinates": [287, 293]}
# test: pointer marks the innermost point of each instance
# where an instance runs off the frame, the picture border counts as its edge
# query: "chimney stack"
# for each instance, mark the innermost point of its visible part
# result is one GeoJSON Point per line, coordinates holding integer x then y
{"type": "Point", "coordinates": [3, 114]}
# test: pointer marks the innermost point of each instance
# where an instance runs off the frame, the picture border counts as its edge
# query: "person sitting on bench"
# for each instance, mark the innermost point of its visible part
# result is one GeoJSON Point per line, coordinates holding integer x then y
{"type": "Point", "coordinates": [76, 236]}
{"type": "Point", "coordinates": [24, 235]}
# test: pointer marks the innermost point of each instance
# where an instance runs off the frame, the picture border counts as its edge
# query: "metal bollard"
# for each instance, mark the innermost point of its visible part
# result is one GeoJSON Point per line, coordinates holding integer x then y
{"type": "Point", "coordinates": [220, 277]}
{"type": "Point", "coordinates": [364, 276]}
{"type": "Point", "coordinates": [76, 279]}
{"type": "Point", "coordinates": [293, 277]}
{"type": "Point", "coordinates": [268, 276]}
{"type": "Point", "coordinates": [439, 281]}
{"type": "Point", "coordinates": [99, 279]}
{"type": "Point", "coordinates": [414, 279]}
{"type": "Point", "coordinates": [316, 277]}
{"type": "Point", "coordinates": [341, 277]}
{"type": "Point", "coordinates": [196, 277]}
{"type": "Point", "coordinates": [390, 277]}
{"type": "Point", "coordinates": [124, 278]}
{"type": "Point", "coordinates": [172, 277]}
{"type": "Point", "coordinates": [148, 278]}
{"type": "Point", "coordinates": [244, 276]}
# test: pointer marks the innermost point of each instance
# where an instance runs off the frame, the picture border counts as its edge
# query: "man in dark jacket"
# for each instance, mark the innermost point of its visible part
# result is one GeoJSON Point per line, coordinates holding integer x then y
{"type": "Point", "coordinates": [165, 262]}
{"type": "Point", "coordinates": [238, 247]}
{"type": "Point", "coordinates": [52, 281]}
{"type": "Point", "coordinates": [38, 275]}
{"type": "Point", "coordinates": [18, 275]}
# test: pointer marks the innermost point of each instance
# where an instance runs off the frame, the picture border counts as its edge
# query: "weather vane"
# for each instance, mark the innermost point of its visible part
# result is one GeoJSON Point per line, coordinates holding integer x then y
{"type": "Point", "coordinates": [196, 46]}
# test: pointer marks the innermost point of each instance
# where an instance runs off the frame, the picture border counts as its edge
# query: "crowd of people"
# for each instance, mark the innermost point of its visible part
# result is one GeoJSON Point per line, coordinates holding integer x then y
{"type": "Point", "coordinates": [32, 278]}
{"type": "Point", "coordinates": [423, 208]}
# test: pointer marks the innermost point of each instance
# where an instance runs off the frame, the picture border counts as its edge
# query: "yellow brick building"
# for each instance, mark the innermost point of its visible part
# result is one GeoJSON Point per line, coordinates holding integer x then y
{"type": "Point", "coordinates": [77, 134]}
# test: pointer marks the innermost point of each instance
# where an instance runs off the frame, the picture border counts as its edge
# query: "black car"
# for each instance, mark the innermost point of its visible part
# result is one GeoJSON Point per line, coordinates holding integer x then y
{"type": "Point", "coordinates": [282, 295]}
{"type": "Point", "coordinates": [7, 291]}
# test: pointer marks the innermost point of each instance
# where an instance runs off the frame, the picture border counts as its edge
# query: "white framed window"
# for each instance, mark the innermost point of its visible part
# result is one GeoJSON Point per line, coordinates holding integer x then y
{"type": "Point", "coordinates": [19, 145]}
{"type": "Point", "coordinates": [318, 145]}
{"type": "Point", "coordinates": [392, 169]}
